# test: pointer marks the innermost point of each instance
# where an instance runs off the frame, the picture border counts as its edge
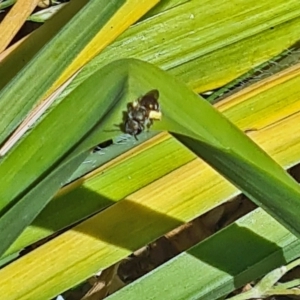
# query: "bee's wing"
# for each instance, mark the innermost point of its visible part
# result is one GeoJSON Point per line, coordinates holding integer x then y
{"type": "Point", "coordinates": [153, 93]}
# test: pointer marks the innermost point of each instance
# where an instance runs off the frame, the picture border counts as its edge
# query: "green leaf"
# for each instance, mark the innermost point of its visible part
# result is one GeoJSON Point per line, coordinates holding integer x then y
{"type": "Point", "coordinates": [211, 269]}
{"type": "Point", "coordinates": [13, 222]}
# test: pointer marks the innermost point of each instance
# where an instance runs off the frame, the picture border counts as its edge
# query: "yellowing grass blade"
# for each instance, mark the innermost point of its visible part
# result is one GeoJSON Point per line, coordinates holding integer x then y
{"type": "Point", "coordinates": [13, 21]}
{"type": "Point", "coordinates": [129, 13]}
{"type": "Point", "coordinates": [205, 58]}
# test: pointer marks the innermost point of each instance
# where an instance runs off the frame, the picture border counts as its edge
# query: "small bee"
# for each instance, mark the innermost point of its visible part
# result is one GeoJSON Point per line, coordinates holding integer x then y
{"type": "Point", "coordinates": [142, 112]}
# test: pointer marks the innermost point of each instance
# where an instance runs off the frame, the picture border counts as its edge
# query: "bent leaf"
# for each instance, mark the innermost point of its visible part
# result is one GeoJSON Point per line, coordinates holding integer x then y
{"type": "Point", "coordinates": [95, 108]}
{"type": "Point", "coordinates": [210, 135]}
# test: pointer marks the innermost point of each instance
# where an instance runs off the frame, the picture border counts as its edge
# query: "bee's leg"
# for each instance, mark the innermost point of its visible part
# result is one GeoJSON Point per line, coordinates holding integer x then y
{"type": "Point", "coordinates": [142, 127]}
{"type": "Point", "coordinates": [139, 130]}
{"type": "Point", "coordinates": [149, 124]}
